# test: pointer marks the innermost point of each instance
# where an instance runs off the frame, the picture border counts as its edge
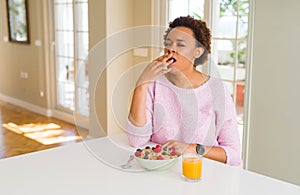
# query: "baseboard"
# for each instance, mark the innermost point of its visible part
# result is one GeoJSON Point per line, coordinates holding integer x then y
{"type": "Point", "coordinates": [80, 121]}
{"type": "Point", "coordinates": [26, 105]}
{"type": "Point", "coordinates": [70, 118]}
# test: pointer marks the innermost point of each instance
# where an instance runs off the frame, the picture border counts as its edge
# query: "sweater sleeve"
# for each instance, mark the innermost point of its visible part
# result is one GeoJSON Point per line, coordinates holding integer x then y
{"type": "Point", "coordinates": [140, 135]}
{"type": "Point", "coordinates": [228, 136]}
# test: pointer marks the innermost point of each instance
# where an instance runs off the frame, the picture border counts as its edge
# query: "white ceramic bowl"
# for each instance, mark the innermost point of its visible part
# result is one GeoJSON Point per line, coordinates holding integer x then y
{"type": "Point", "coordinates": [156, 164]}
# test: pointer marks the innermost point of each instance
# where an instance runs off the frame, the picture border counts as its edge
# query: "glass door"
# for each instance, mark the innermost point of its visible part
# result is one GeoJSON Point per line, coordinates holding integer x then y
{"type": "Point", "coordinates": [71, 53]}
{"type": "Point", "coordinates": [82, 49]}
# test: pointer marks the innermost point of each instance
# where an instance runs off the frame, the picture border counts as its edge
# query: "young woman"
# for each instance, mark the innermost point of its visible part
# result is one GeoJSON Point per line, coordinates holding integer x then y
{"type": "Point", "coordinates": [176, 105]}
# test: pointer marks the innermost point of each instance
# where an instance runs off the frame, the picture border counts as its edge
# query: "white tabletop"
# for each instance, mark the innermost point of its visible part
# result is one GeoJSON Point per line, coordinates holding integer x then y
{"type": "Point", "coordinates": [93, 167]}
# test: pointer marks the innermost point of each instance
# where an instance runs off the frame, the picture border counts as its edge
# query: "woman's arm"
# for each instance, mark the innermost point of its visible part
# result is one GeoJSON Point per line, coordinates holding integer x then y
{"type": "Point", "coordinates": [137, 114]}
{"type": "Point", "coordinates": [139, 123]}
{"type": "Point", "coordinates": [158, 67]}
{"type": "Point", "coordinates": [215, 153]}
{"type": "Point", "coordinates": [212, 152]}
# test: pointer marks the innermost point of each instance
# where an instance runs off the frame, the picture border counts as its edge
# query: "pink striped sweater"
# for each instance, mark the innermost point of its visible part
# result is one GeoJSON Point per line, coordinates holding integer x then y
{"type": "Point", "coordinates": [204, 115]}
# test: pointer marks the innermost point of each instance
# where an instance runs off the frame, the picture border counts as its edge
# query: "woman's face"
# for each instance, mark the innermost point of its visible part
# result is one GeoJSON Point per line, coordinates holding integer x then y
{"type": "Point", "coordinates": [182, 43]}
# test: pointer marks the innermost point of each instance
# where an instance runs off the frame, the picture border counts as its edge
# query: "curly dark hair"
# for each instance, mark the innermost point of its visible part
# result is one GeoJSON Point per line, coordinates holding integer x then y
{"type": "Point", "coordinates": [201, 33]}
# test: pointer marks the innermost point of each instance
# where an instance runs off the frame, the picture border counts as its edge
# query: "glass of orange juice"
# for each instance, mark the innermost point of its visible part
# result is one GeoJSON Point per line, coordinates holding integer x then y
{"type": "Point", "coordinates": [192, 167]}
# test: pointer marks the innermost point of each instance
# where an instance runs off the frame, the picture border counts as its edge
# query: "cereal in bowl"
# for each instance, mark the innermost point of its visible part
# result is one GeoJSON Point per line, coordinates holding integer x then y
{"type": "Point", "coordinates": [157, 153]}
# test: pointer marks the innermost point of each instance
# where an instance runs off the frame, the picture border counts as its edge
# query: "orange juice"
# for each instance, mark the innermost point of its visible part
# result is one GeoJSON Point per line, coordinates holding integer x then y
{"type": "Point", "coordinates": [192, 168]}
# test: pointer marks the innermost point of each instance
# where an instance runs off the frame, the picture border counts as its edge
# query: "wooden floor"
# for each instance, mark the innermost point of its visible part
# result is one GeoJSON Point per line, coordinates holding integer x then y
{"type": "Point", "coordinates": [13, 144]}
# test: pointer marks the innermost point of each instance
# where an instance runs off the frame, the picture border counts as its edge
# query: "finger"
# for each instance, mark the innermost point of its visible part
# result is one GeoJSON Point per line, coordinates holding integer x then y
{"type": "Point", "coordinates": [167, 56]}
{"type": "Point", "coordinates": [165, 144]}
{"type": "Point", "coordinates": [164, 57]}
{"type": "Point", "coordinates": [158, 66]}
{"type": "Point", "coordinates": [168, 144]}
{"type": "Point", "coordinates": [160, 58]}
{"type": "Point", "coordinates": [165, 70]}
{"type": "Point", "coordinates": [165, 67]}
{"type": "Point", "coordinates": [155, 65]}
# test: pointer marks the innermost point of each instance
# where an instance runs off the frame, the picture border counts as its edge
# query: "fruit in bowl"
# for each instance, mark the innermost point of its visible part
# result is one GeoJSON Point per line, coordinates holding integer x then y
{"type": "Point", "coordinates": [156, 158]}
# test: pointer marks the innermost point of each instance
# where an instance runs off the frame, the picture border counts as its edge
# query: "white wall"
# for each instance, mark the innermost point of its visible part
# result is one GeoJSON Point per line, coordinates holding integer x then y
{"type": "Point", "coordinates": [274, 141]}
{"type": "Point", "coordinates": [110, 58]}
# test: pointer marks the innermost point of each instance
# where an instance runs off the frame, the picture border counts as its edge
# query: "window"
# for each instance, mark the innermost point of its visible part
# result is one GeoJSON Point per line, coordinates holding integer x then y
{"type": "Point", "coordinates": [188, 7]}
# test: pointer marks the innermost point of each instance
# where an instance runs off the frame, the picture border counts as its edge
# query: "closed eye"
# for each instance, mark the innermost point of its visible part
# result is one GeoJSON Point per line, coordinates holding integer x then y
{"type": "Point", "coordinates": [166, 44]}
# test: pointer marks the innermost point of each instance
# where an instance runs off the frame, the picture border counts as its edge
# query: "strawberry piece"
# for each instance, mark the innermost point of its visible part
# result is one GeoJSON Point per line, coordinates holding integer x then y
{"type": "Point", "coordinates": [173, 148]}
{"type": "Point", "coordinates": [157, 146]}
{"type": "Point", "coordinates": [173, 153]}
{"type": "Point", "coordinates": [160, 157]}
{"type": "Point", "coordinates": [137, 153]}
{"type": "Point", "coordinates": [157, 150]}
